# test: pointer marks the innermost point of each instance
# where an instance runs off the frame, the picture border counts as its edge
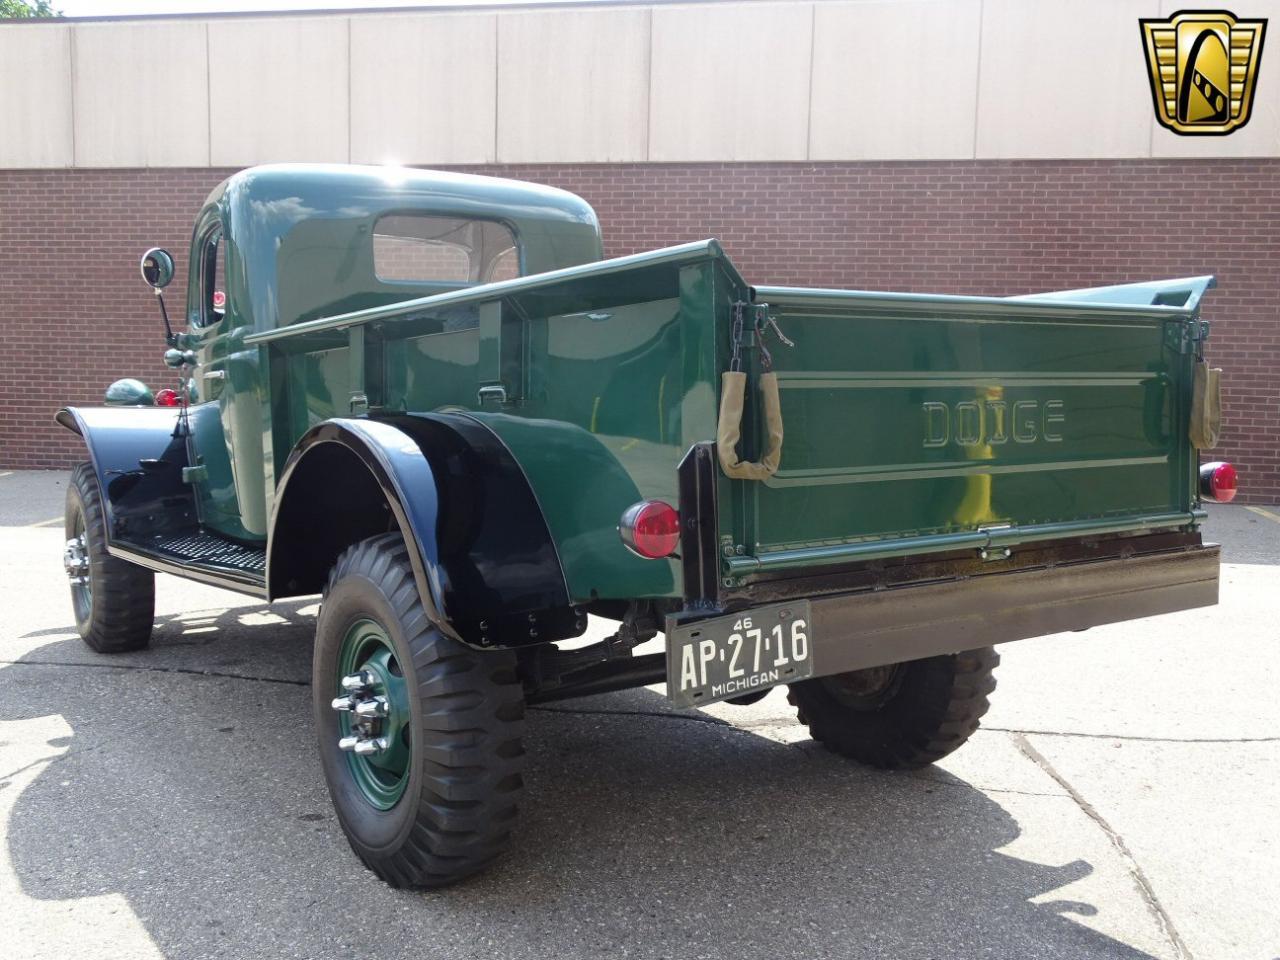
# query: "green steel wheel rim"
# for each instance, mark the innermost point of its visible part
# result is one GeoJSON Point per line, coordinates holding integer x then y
{"type": "Point", "coordinates": [868, 689]}
{"type": "Point", "coordinates": [76, 562]}
{"type": "Point", "coordinates": [383, 776]}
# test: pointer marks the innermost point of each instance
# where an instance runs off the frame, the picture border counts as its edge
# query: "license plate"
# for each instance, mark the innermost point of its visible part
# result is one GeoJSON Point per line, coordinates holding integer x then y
{"type": "Point", "coordinates": [724, 657]}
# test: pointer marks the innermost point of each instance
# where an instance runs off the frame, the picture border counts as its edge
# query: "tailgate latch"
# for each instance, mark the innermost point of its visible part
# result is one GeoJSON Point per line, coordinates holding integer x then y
{"type": "Point", "coordinates": [1186, 336]}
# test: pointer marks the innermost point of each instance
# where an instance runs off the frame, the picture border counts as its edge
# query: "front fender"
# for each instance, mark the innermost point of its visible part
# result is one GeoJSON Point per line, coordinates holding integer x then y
{"type": "Point", "coordinates": [138, 454]}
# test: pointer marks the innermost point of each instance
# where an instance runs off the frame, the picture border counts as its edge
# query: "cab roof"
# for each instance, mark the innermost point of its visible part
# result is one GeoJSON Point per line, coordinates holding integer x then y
{"type": "Point", "coordinates": [298, 235]}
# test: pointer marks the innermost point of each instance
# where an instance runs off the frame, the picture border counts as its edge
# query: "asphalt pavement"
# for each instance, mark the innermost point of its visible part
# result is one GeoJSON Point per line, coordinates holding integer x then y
{"type": "Point", "coordinates": [1120, 801]}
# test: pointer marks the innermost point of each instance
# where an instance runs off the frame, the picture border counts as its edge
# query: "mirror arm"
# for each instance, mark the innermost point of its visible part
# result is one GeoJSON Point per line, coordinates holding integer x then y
{"type": "Point", "coordinates": [169, 336]}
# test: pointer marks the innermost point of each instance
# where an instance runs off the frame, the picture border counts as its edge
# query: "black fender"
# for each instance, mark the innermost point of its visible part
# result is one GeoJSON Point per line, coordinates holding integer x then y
{"type": "Point", "coordinates": [138, 454]}
{"type": "Point", "coordinates": [483, 557]}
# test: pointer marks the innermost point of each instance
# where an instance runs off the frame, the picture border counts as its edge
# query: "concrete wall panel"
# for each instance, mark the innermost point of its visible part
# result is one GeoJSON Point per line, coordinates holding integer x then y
{"type": "Point", "coordinates": [718, 82]}
{"type": "Point", "coordinates": [731, 82]}
{"type": "Point", "coordinates": [141, 94]}
{"type": "Point", "coordinates": [279, 90]}
{"type": "Point", "coordinates": [572, 85]}
{"type": "Point", "coordinates": [423, 88]}
{"type": "Point", "coordinates": [35, 96]}
{"type": "Point", "coordinates": [894, 78]}
{"type": "Point", "coordinates": [1063, 81]}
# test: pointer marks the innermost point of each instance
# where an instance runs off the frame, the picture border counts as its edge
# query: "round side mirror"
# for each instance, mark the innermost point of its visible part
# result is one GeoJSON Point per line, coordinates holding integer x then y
{"type": "Point", "coordinates": [157, 267]}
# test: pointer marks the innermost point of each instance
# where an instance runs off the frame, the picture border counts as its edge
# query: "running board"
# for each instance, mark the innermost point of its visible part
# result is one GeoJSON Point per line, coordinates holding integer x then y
{"type": "Point", "coordinates": [205, 557]}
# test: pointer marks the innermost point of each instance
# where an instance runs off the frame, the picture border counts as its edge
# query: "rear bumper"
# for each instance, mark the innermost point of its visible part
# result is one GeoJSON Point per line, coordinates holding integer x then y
{"type": "Point", "coordinates": [887, 614]}
{"type": "Point", "coordinates": [869, 628]}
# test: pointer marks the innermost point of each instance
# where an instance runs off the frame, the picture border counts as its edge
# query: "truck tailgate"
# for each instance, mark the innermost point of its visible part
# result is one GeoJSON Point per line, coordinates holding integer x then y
{"type": "Point", "coordinates": [918, 423]}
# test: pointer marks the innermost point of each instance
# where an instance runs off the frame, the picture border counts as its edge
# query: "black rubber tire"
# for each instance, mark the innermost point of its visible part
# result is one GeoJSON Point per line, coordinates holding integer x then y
{"type": "Point", "coordinates": [929, 709]}
{"type": "Point", "coordinates": [459, 808]}
{"type": "Point", "coordinates": [122, 610]}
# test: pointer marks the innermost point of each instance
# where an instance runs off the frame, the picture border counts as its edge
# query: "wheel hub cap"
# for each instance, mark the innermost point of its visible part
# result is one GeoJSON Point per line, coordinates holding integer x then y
{"type": "Point", "coordinates": [373, 713]}
{"type": "Point", "coordinates": [75, 560]}
{"type": "Point", "coordinates": [867, 689]}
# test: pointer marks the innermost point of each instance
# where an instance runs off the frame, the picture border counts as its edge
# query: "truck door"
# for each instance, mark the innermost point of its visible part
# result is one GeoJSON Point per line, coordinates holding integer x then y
{"type": "Point", "coordinates": [226, 421]}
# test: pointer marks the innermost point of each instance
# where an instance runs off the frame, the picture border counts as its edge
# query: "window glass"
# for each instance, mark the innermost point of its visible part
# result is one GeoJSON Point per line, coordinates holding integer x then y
{"type": "Point", "coordinates": [411, 248]}
{"type": "Point", "coordinates": [218, 297]}
{"type": "Point", "coordinates": [213, 280]}
{"type": "Point", "coordinates": [505, 266]}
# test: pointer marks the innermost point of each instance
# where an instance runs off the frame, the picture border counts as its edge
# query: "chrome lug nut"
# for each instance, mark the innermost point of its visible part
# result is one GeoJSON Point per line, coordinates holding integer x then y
{"type": "Point", "coordinates": [356, 681]}
{"type": "Point", "coordinates": [75, 559]}
{"type": "Point", "coordinates": [367, 748]}
{"type": "Point", "coordinates": [375, 707]}
{"type": "Point", "coordinates": [348, 743]}
{"type": "Point", "coordinates": [343, 703]}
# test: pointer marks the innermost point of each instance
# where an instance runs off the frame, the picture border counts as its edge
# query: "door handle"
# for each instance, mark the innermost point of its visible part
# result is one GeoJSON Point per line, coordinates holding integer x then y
{"type": "Point", "coordinates": [495, 392]}
{"type": "Point", "coordinates": [214, 375]}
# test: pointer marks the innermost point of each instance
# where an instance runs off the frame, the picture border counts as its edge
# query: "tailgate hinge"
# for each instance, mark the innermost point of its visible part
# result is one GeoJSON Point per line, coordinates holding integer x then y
{"type": "Point", "coordinates": [990, 551]}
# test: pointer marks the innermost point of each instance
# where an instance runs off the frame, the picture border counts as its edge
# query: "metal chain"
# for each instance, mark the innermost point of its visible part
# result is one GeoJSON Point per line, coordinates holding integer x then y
{"type": "Point", "coordinates": [776, 329]}
{"type": "Point", "coordinates": [739, 322]}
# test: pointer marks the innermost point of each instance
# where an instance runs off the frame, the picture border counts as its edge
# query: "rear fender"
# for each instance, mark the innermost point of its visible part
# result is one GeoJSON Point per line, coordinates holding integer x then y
{"type": "Point", "coordinates": [486, 567]}
{"type": "Point", "coordinates": [138, 454]}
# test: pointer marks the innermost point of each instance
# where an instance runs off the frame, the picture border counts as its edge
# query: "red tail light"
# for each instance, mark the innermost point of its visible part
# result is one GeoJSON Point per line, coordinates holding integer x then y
{"type": "Point", "coordinates": [1218, 481]}
{"type": "Point", "coordinates": [167, 398]}
{"type": "Point", "coordinates": [651, 528]}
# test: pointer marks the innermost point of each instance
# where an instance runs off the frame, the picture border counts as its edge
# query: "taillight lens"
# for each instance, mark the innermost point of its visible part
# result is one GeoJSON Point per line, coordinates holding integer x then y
{"type": "Point", "coordinates": [167, 398]}
{"type": "Point", "coordinates": [651, 528]}
{"type": "Point", "coordinates": [1218, 481]}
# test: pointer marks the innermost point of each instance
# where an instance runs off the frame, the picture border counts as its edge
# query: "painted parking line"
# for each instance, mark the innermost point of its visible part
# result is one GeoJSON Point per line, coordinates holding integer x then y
{"type": "Point", "coordinates": [46, 523]}
{"type": "Point", "coordinates": [1264, 513]}
{"type": "Point", "coordinates": [6, 473]}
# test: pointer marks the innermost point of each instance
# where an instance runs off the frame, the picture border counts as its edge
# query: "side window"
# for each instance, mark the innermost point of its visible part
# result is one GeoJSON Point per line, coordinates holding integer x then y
{"type": "Point", "coordinates": [413, 248]}
{"type": "Point", "coordinates": [213, 295]}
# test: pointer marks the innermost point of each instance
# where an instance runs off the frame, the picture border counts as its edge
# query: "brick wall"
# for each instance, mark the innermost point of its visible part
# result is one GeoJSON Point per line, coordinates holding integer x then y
{"type": "Point", "coordinates": [74, 314]}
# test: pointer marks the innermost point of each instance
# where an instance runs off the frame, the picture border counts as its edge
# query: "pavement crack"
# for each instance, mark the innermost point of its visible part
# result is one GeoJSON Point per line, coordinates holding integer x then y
{"type": "Point", "coordinates": [53, 758]}
{"type": "Point", "coordinates": [1163, 920]}
{"type": "Point", "coordinates": [143, 668]}
{"type": "Point", "coordinates": [1125, 736]}
{"type": "Point", "coordinates": [964, 785]}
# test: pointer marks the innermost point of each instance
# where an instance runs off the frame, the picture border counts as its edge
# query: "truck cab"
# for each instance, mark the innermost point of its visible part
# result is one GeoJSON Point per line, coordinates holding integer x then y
{"type": "Point", "coordinates": [280, 245]}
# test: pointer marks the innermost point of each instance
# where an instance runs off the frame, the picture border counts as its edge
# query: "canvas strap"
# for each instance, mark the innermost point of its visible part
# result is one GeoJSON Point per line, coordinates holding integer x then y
{"type": "Point", "coordinates": [733, 386]}
{"type": "Point", "coordinates": [1206, 406]}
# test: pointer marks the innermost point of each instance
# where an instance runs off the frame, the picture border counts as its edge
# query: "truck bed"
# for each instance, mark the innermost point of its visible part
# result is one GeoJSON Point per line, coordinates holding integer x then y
{"type": "Point", "coordinates": [914, 423]}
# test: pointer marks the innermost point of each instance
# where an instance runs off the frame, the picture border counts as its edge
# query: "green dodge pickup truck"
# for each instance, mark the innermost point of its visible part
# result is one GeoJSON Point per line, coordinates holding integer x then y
{"type": "Point", "coordinates": [428, 398]}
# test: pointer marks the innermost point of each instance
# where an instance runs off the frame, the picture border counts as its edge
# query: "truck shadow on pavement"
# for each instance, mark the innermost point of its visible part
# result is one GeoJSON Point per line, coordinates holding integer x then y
{"type": "Point", "coordinates": [198, 798]}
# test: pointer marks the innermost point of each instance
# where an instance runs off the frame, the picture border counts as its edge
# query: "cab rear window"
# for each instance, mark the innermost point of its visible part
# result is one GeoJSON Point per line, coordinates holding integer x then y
{"type": "Point", "coordinates": [409, 248]}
